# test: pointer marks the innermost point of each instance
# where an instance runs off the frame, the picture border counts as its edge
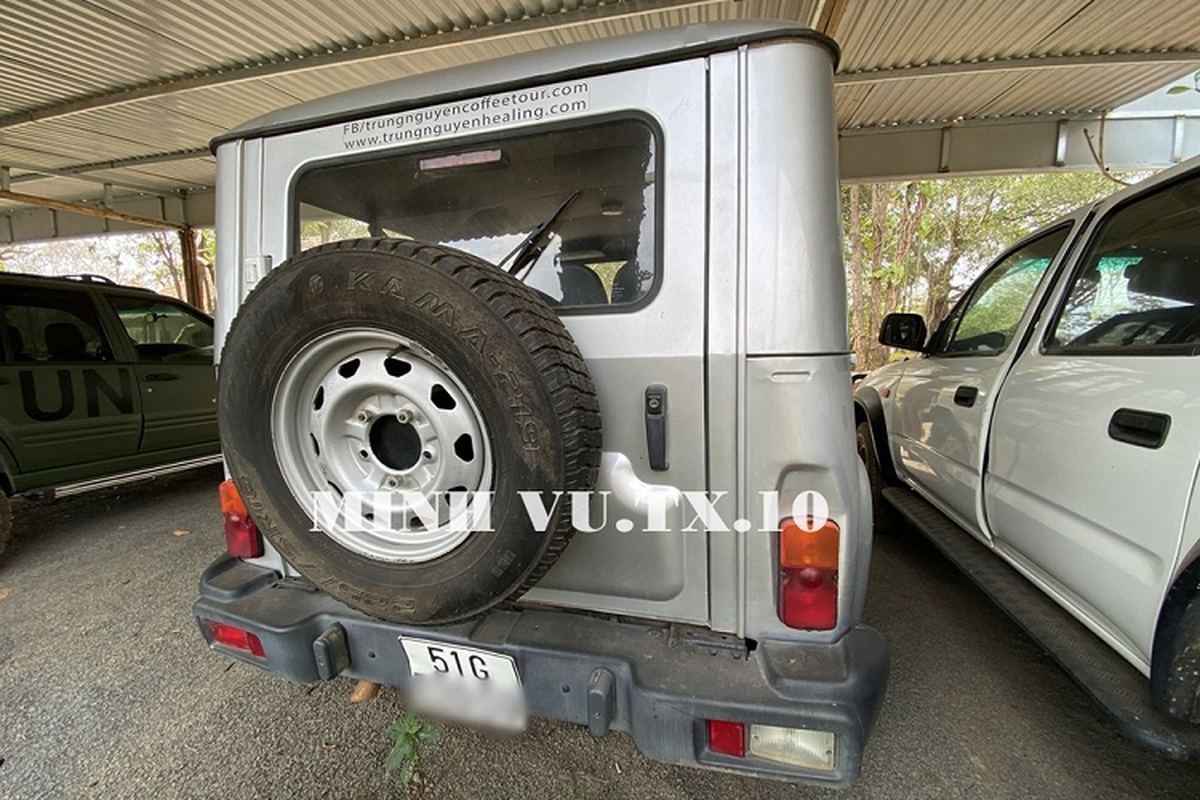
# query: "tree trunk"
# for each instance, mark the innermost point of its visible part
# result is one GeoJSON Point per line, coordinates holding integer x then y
{"type": "Point", "coordinates": [858, 336]}
{"type": "Point", "coordinates": [875, 353]}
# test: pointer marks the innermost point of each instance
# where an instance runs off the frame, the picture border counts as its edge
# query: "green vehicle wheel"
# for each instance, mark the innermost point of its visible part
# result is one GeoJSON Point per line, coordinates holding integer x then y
{"type": "Point", "coordinates": [5, 520]}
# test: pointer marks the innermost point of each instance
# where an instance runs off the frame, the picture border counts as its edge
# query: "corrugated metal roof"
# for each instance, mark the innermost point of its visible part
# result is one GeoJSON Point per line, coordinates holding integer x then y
{"type": "Point", "coordinates": [87, 82]}
{"type": "Point", "coordinates": [987, 95]}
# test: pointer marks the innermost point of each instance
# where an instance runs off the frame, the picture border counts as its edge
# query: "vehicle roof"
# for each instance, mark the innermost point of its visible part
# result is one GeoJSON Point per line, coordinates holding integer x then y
{"type": "Point", "coordinates": [81, 279]}
{"type": "Point", "coordinates": [541, 67]}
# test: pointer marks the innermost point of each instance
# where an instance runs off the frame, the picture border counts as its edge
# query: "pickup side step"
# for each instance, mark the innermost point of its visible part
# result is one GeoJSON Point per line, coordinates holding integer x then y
{"type": "Point", "coordinates": [1120, 690]}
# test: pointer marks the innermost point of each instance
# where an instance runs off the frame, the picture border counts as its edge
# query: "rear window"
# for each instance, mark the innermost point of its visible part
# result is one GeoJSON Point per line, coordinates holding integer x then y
{"type": "Point", "coordinates": [1138, 287]}
{"type": "Point", "coordinates": [43, 325]}
{"type": "Point", "coordinates": [486, 198]}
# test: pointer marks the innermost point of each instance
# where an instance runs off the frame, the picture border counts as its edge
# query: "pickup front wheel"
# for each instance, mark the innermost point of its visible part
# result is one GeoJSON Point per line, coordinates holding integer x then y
{"type": "Point", "coordinates": [1175, 668]}
{"type": "Point", "coordinates": [884, 517]}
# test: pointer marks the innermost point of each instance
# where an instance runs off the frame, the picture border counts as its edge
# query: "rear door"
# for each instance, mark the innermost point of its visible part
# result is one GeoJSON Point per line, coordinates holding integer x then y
{"type": "Point", "coordinates": [1097, 432]}
{"type": "Point", "coordinates": [173, 346]}
{"type": "Point", "coordinates": [943, 402]}
{"type": "Point", "coordinates": [616, 163]}
{"type": "Point", "coordinates": [65, 401]}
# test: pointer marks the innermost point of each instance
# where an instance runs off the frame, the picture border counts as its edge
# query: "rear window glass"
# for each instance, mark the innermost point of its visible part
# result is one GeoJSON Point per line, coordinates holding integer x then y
{"type": "Point", "coordinates": [1139, 286]}
{"type": "Point", "coordinates": [486, 198]}
{"type": "Point", "coordinates": [46, 325]}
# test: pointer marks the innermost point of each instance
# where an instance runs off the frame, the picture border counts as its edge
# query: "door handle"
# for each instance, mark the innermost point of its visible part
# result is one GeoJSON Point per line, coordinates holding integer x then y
{"type": "Point", "coordinates": [656, 427]}
{"type": "Point", "coordinates": [1140, 428]}
{"type": "Point", "coordinates": [965, 396]}
{"type": "Point", "coordinates": [160, 376]}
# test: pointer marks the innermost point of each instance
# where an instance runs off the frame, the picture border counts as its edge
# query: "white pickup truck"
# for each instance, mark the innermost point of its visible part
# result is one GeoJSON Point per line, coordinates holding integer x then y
{"type": "Point", "coordinates": [1049, 427]}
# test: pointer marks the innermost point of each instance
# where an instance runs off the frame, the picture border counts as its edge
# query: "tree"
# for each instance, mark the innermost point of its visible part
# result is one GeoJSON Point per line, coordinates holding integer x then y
{"type": "Point", "coordinates": [152, 260]}
{"type": "Point", "coordinates": [161, 250]}
{"type": "Point", "coordinates": [915, 246]}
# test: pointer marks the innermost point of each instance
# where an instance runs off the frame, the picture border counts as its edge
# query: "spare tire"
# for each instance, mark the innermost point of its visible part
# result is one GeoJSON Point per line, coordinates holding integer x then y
{"type": "Point", "coordinates": [388, 373]}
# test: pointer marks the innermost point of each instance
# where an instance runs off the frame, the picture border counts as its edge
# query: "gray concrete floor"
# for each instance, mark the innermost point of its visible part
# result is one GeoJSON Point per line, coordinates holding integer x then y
{"type": "Point", "coordinates": [107, 691]}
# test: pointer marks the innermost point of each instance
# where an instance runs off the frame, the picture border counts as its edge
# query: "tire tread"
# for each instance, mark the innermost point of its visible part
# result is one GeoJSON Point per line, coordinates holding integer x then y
{"type": "Point", "coordinates": [544, 337]}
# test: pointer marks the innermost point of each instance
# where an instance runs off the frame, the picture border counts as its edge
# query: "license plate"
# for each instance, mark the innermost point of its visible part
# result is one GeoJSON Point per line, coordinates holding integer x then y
{"type": "Point", "coordinates": [464, 684]}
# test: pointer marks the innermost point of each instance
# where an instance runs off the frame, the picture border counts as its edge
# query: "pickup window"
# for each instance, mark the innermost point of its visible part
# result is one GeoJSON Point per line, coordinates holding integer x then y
{"type": "Point", "coordinates": [164, 331]}
{"type": "Point", "coordinates": [59, 326]}
{"type": "Point", "coordinates": [985, 322]}
{"type": "Point", "coordinates": [1138, 287]}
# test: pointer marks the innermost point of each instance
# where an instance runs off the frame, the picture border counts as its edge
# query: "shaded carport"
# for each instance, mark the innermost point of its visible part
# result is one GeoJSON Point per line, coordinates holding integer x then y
{"type": "Point", "coordinates": [110, 105]}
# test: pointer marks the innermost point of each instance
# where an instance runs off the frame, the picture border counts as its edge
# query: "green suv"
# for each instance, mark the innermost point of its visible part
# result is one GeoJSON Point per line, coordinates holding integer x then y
{"type": "Point", "coordinates": [99, 384]}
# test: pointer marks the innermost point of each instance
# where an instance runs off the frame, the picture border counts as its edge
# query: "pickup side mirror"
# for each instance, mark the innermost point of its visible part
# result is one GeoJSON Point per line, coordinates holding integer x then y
{"type": "Point", "coordinates": [906, 331]}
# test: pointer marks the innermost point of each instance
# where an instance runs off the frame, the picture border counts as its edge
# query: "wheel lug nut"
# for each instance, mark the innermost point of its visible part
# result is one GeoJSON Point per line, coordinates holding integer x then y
{"type": "Point", "coordinates": [403, 416]}
{"type": "Point", "coordinates": [362, 416]}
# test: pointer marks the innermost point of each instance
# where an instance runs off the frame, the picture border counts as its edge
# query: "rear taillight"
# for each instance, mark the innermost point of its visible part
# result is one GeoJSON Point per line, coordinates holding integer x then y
{"type": "Point", "coordinates": [808, 571]}
{"type": "Point", "coordinates": [810, 750]}
{"type": "Point", "coordinates": [727, 738]}
{"type": "Point", "coordinates": [236, 638]}
{"type": "Point", "coordinates": [241, 534]}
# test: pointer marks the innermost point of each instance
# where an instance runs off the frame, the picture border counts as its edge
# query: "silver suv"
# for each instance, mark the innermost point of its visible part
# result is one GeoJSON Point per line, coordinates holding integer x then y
{"type": "Point", "coordinates": [534, 395]}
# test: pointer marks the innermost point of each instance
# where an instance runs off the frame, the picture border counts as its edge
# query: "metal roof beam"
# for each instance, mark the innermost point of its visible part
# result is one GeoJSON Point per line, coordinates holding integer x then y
{"type": "Point", "coordinates": [94, 211]}
{"type": "Point", "coordinates": [1016, 146]}
{"type": "Point", "coordinates": [77, 174]}
{"type": "Point", "coordinates": [1180, 57]}
{"type": "Point", "coordinates": [29, 223]}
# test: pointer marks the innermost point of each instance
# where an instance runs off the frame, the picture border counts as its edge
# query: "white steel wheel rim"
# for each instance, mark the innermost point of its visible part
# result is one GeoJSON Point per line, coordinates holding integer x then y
{"type": "Point", "coordinates": [367, 414]}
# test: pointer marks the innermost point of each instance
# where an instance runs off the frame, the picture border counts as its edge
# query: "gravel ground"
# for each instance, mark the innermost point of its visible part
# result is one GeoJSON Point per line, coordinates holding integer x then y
{"type": "Point", "coordinates": [107, 691]}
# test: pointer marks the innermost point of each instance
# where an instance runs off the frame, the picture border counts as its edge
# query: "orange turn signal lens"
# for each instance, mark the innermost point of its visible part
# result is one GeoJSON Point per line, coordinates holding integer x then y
{"type": "Point", "coordinates": [241, 534]}
{"type": "Point", "coordinates": [799, 548]}
{"type": "Point", "coordinates": [231, 501]}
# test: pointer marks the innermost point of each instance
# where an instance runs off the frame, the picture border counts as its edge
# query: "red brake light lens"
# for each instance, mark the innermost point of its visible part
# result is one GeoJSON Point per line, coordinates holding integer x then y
{"type": "Point", "coordinates": [473, 158]}
{"type": "Point", "coordinates": [728, 738]}
{"type": "Point", "coordinates": [808, 585]}
{"type": "Point", "coordinates": [241, 534]}
{"type": "Point", "coordinates": [236, 638]}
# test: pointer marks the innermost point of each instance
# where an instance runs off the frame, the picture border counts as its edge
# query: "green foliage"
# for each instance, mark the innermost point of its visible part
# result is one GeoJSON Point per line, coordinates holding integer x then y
{"type": "Point", "coordinates": [151, 260]}
{"type": "Point", "coordinates": [915, 246]}
{"type": "Point", "coordinates": [315, 232]}
{"type": "Point", "coordinates": [1181, 88]}
{"type": "Point", "coordinates": [207, 247]}
{"type": "Point", "coordinates": [407, 734]}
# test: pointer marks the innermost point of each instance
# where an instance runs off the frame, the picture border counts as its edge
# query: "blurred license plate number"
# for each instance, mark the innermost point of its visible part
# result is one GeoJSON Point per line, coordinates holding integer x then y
{"type": "Point", "coordinates": [464, 684]}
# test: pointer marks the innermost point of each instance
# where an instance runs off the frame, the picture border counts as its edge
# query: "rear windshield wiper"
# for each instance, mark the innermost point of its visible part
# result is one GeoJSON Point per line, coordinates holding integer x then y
{"type": "Point", "coordinates": [530, 250]}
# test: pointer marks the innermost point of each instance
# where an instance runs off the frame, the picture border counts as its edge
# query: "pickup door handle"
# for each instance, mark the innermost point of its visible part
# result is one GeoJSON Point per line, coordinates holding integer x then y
{"type": "Point", "coordinates": [161, 376]}
{"type": "Point", "coordinates": [965, 396]}
{"type": "Point", "coordinates": [1140, 428]}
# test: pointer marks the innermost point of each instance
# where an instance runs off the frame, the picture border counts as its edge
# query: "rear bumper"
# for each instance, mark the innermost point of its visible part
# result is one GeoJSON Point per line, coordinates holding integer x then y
{"type": "Point", "coordinates": [660, 691]}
